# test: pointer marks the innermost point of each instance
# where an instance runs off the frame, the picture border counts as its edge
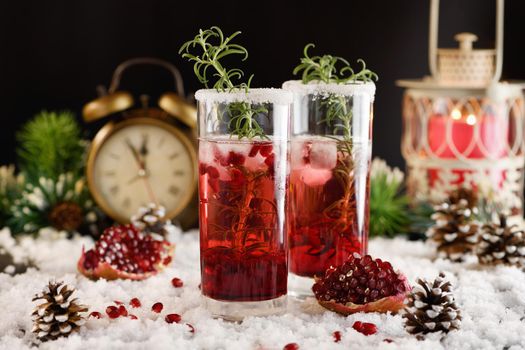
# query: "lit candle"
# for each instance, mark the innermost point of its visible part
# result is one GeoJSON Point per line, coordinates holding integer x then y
{"type": "Point", "coordinates": [465, 137]}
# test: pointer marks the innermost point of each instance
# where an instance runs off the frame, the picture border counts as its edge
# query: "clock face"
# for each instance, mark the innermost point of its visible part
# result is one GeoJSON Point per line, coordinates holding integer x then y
{"type": "Point", "coordinates": [138, 162]}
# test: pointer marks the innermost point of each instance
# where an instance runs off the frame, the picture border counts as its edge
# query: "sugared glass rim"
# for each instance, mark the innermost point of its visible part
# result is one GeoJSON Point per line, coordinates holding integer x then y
{"type": "Point", "coordinates": [259, 95]}
{"type": "Point", "coordinates": [321, 88]}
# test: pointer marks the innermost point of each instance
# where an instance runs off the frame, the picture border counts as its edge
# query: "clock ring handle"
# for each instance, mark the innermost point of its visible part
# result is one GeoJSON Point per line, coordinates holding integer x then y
{"type": "Point", "coordinates": [117, 75]}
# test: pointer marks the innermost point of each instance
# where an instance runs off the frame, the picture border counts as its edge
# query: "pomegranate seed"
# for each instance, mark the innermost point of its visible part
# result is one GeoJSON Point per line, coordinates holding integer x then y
{"type": "Point", "coordinates": [291, 346]}
{"type": "Point", "coordinates": [135, 302]}
{"type": "Point", "coordinates": [157, 307]}
{"type": "Point", "coordinates": [388, 340]}
{"type": "Point", "coordinates": [254, 151]}
{"type": "Point", "coordinates": [177, 282]}
{"type": "Point", "coordinates": [233, 159]}
{"type": "Point", "coordinates": [266, 150]}
{"type": "Point", "coordinates": [237, 177]}
{"type": "Point", "coordinates": [117, 302]}
{"type": "Point", "coordinates": [112, 311]}
{"type": "Point", "coordinates": [212, 172]}
{"type": "Point", "coordinates": [172, 318]}
{"type": "Point", "coordinates": [95, 314]}
{"type": "Point", "coordinates": [337, 336]}
{"type": "Point", "coordinates": [133, 317]}
{"type": "Point", "coordinates": [191, 328]}
{"type": "Point", "coordinates": [365, 327]}
{"type": "Point", "coordinates": [122, 311]}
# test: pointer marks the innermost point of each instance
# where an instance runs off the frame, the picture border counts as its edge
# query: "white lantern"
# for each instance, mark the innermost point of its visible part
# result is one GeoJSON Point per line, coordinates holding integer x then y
{"type": "Point", "coordinates": [463, 127]}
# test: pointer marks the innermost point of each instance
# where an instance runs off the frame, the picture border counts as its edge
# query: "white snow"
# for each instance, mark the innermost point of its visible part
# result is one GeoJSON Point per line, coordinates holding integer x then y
{"type": "Point", "coordinates": [264, 95]}
{"type": "Point", "coordinates": [492, 302]}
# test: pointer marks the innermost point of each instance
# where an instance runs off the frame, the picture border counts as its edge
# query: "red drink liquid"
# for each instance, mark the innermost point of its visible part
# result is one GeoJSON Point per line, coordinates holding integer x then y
{"type": "Point", "coordinates": [241, 224]}
{"type": "Point", "coordinates": [328, 206]}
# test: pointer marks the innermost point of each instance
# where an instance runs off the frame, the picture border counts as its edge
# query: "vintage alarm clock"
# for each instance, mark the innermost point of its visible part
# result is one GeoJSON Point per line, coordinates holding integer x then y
{"type": "Point", "coordinates": [144, 154]}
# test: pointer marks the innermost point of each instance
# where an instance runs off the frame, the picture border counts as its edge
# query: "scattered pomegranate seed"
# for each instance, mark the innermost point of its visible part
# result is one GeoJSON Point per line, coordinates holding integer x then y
{"type": "Point", "coordinates": [177, 282]}
{"type": "Point", "coordinates": [135, 302]}
{"type": "Point", "coordinates": [337, 336]}
{"type": "Point", "coordinates": [112, 311]}
{"type": "Point", "coordinates": [157, 307]}
{"type": "Point", "coordinates": [122, 311]}
{"type": "Point", "coordinates": [172, 318]}
{"type": "Point", "coordinates": [191, 328]}
{"type": "Point", "coordinates": [95, 314]}
{"type": "Point", "coordinates": [133, 317]}
{"type": "Point", "coordinates": [117, 302]}
{"type": "Point", "coordinates": [388, 340]}
{"type": "Point", "coordinates": [365, 327]}
{"type": "Point", "coordinates": [291, 346]}
{"type": "Point", "coordinates": [167, 260]}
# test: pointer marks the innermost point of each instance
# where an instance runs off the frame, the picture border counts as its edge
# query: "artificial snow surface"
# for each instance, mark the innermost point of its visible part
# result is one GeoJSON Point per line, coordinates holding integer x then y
{"type": "Point", "coordinates": [492, 302]}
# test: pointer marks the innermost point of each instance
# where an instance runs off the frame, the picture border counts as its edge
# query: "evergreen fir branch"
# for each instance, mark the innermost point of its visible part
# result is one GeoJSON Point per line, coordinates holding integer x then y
{"type": "Point", "coordinates": [50, 145]}
{"type": "Point", "coordinates": [388, 205]}
{"type": "Point", "coordinates": [10, 188]}
{"type": "Point", "coordinates": [30, 212]}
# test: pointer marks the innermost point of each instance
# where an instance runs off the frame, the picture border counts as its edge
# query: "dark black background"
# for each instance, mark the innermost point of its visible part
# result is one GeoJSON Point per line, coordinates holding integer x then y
{"type": "Point", "coordinates": [54, 53]}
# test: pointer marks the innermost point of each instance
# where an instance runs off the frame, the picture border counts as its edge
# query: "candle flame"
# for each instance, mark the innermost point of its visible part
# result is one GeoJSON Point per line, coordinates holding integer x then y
{"type": "Point", "coordinates": [456, 114]}
{"type": "Point", "coordinates": [471, 119]}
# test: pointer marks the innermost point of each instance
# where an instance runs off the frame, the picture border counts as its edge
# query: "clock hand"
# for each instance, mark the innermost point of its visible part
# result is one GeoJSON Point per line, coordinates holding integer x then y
{"type": "Point", "coordinates": [136, 155]}
{"type": "Point", "coordinates": [144, 150]}
{"type": "Point", "coordinates": [142, 171]}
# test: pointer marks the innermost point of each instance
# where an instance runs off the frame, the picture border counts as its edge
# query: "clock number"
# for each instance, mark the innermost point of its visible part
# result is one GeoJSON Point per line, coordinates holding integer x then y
{"type": "Point", "coordinates": [174, 190]}
{"type": "Point", "coordinates": [114, 190]}
{"type": "Point", "coordinates": [179, 172]}
{"type": "Point", "coordinates": [126, 203]}
{"type": "Point", "coordinates": [114, 156]}
{"type": "Point", "coordinates": [174, 155]}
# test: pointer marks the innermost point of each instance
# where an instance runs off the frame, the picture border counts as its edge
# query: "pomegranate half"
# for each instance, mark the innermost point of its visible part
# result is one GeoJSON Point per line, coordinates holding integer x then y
{"type": "Point", "coordinates": [362, 284]}
{"type": "Point", "coordinates": [123, 252]}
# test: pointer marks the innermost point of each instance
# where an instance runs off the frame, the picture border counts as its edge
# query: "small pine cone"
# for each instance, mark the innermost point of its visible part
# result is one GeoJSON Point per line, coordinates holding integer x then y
{"type": "Point", "coordinates": [58, 314]}
{"type": "Point", "coordinates": [463, 194]}
{"type": "Point", "coordinates": [66, 216]}
{"type": "Point", "coordinates": [152, 219]}
{"type": "Point", "coordinates": [502, 244]}
{"type": "Point", "coordinates": [455, 230]}
{"type": "Point", "coordinates": [431, 307]}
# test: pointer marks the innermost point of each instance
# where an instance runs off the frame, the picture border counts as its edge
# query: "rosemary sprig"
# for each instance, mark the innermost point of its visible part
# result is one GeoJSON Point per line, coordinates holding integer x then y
{"type": "Point", "coordinates": [325, 69]}
{"type": "Point", "coordinates": [337, 116]}
{"type": "Point", "coordinates": [214, 47]}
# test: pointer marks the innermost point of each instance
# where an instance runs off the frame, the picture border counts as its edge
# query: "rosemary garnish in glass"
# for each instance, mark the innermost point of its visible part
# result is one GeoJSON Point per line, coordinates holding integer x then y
{"type": "Point", "coordinates": [208, 66]}
{"type": "Point", "coordinates": [337, 116]}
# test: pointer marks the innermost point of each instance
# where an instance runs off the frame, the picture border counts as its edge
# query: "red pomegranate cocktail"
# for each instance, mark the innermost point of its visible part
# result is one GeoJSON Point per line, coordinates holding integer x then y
{"type": "Point", "coordinates": [329, 178]}
{"type": "Point", "coordinates": [242, 193]}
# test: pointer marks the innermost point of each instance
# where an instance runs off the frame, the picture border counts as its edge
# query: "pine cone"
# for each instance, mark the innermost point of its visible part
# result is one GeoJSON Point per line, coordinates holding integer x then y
{"type": "Point", "coordinates": [455, 230]}
{"type": "Point", "coordinates": [58, 315]}
{"type": "Point", "coordinates": [66, 216]}
{"type": "Point", "coordinates": [431, 307]}
{"type": "Point", "coordinates": [152, 219]}
{"type": "Point", "coordinates": [502, 244]}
